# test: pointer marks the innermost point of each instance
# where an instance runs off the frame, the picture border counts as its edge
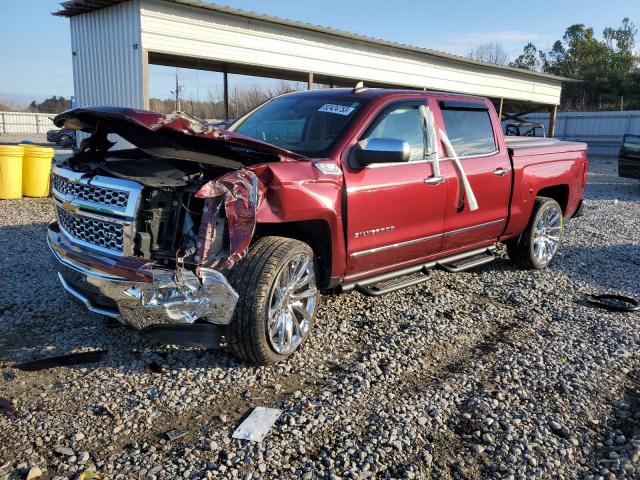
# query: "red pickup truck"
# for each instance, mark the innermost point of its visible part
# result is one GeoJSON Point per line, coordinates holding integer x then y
{"type": "Point", "coordinates": [201, 236]}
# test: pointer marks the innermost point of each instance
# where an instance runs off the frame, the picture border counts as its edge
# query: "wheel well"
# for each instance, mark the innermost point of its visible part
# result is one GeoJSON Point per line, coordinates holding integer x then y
{"type": "Point", "coordinates": [560, 193]}
{"type": "Point", "coordinates": [315, 233]}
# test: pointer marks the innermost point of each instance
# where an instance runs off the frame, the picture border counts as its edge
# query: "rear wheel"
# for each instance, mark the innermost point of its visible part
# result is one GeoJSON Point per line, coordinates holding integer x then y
{"type": "Point", "coordinates": [537, 246]}
{"type": "Point", "coordinates": [278, 296]}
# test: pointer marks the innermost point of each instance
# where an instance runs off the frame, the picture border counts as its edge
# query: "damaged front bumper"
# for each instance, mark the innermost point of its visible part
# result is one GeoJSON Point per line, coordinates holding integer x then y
{"type": "Point", "coordinates": [140, 294]}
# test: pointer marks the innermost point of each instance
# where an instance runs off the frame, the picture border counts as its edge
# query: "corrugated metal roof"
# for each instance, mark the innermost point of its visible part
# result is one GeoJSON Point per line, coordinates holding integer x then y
{"type": "Point", "coordinates": [72, 8]}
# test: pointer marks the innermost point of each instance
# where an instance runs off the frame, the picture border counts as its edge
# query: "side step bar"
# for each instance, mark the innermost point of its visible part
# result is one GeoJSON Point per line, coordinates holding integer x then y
{"type": "Point", "coordinates": [406, 277]}
{"type": "Point", "coordinates": [394, 283]}
{"type": "Point", "coordinates": [455, 265]}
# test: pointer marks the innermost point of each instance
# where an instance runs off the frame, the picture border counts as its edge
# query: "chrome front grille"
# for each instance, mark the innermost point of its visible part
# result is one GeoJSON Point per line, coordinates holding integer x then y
{"type": "Point", "coordinates": [96, 212]}
{"type": "Point", "coordinates": [96, 232]}
{"type": "Point", "coordinates": [90, 193]}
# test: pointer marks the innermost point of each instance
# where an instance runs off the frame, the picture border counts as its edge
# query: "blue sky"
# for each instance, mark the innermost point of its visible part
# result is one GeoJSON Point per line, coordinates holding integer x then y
{"type": "Point", "coordinates": [35, 52]}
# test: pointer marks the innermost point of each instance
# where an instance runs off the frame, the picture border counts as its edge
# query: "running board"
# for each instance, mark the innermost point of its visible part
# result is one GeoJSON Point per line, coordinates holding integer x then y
{"type": "Point", "coordinates": [465, 263]}
{"type": "Point", "coordinates": [394, 283]}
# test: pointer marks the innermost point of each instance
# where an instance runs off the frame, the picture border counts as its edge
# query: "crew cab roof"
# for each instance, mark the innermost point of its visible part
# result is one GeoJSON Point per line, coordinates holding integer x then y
{"type": "Point", "coordinates": [376, 93]}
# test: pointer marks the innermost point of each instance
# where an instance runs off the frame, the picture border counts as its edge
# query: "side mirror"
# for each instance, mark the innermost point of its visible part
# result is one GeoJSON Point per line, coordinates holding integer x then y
{"type": "Point", "coordinates": [382, 150]}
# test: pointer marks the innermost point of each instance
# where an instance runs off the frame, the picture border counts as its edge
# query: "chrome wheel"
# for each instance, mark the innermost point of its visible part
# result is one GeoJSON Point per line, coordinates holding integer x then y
{"type": "Point", "coordinates": [292, 304]}
{"type": "Point", "coordinates": [547, 231]}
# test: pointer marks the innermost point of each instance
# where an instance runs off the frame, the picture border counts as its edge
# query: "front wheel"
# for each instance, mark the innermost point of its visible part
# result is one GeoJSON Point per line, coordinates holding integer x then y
{"type": "Point", "coordinates": [537, 246]}
{"type": "Point", "coordinates": [278, 296]}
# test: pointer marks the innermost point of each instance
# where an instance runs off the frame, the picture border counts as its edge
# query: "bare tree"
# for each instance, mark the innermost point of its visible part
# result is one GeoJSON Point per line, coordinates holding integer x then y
{"type": "Point", "coordinates": [492, 52]}
{"type": "Point", "coordinates": [241, 99]}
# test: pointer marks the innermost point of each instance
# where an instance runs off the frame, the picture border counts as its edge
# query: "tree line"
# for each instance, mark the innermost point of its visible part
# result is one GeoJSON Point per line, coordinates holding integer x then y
{"type": "Point", "coordinates": [607, 69]}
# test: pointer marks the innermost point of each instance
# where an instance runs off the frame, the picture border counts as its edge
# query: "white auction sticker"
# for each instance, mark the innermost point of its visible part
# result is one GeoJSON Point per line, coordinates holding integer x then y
{"type": "Point", "coordinates": [339, 109]}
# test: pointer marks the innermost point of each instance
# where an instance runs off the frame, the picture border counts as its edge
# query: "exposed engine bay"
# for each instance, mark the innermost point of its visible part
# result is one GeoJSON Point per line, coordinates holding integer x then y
{"type": "Point", "coordinates": [179, 217]}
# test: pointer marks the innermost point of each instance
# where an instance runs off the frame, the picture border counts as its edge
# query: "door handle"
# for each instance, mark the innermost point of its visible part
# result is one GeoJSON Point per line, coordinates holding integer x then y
{"type": "Point", "coordinates": [433, 180]}
{"type": "Point", "coordinates": [501, 172]}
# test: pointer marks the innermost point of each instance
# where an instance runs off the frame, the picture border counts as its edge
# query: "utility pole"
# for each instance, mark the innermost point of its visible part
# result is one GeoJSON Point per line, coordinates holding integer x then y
{"type": "Point", "coordinates": [177, 91]}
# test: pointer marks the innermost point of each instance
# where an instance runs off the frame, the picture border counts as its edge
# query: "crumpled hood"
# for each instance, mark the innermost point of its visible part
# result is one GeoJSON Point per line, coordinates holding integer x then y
{"type": "Point", "coordinates": [175, 135]}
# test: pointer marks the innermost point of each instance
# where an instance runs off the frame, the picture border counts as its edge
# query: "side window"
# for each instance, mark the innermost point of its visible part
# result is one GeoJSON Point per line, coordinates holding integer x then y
{"type": "Point", "coordinates": [405, 122]}
{"type": "Point", "coordinates": [470, 131]}
{"type": "Point", "coordinates": [631, 144]}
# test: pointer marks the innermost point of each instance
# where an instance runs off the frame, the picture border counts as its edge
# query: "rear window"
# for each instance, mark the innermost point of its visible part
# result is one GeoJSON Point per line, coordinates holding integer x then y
{"type": "Point", "coordinates": [470, 131]}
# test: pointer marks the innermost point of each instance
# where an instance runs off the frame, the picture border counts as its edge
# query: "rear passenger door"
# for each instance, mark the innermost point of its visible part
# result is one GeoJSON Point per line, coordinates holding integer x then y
{"type": "Point", "coordinates": [471, 127]}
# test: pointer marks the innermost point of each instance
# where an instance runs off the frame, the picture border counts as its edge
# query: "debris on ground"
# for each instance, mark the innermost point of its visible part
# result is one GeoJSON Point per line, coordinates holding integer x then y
{"type": "Point", "coordinates": [175, 434]}
{"type": "Point", "coordinates": [615, 303]}
{"type": "Point", "coordinates": [256, 426]}
{"type": "Point", "coordinates": [62, 361]}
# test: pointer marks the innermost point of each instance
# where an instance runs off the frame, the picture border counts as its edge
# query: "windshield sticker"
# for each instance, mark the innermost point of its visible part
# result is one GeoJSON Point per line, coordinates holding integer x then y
{"type": "Point", "coordinates": [339, 109]}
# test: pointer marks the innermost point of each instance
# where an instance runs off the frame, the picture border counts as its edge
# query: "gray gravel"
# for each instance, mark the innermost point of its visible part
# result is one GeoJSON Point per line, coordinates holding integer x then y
{"type": "Point", "coordinates": [492, 373]}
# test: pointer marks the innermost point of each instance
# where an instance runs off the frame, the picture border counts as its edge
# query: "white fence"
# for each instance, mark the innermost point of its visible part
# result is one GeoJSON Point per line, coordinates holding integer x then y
{"type": "Point", "coordinates": [24, 122]}
{"type": "Point", "coordinates": [603, 131]}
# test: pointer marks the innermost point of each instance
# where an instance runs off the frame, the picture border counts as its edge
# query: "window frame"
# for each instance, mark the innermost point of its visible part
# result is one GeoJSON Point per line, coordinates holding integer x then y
{"type": "Point", "coordinates": [469, 105]}
{"type": "Point", "coordinates": [373, 124]}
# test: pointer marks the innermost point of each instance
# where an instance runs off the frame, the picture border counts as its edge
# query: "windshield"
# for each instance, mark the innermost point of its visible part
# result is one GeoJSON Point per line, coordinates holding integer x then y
{"type": "Point", "coordinates": [305, 125]}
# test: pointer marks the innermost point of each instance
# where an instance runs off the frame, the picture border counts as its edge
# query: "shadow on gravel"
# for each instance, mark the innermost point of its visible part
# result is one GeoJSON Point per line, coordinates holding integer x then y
{"type": "Point", "coordinates": [609, 268]}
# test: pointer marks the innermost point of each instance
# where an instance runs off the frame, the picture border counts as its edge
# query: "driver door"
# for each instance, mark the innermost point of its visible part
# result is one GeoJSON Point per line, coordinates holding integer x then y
{"type": "Point", "coordinates": [395, 211]}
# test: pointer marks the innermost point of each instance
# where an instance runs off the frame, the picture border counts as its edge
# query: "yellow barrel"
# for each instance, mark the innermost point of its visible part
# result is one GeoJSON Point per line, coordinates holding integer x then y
{"type": "Point", "coordinates": [36, 170]}
{"type": "Point", "coordinates": [10, 171]}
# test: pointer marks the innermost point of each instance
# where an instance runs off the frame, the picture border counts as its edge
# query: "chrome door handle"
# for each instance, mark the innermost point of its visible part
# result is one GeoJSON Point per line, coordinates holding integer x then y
{"type": "Point", "coordinates": [501, 172]}
{"type": "Point", "coordinates": [433, 180]}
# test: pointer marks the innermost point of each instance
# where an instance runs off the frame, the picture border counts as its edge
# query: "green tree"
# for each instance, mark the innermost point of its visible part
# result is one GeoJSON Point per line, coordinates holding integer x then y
{"type": "Point", "coordinates": [608, 68]}
{"type": "Point", "coordinates": [530, 59]}
{"type": "Point", "coordinates": [53, 104]}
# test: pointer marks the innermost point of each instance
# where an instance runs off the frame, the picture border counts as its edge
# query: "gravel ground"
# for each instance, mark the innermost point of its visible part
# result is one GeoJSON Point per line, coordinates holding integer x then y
{"type": "Point", "coordinates": [492, 373]}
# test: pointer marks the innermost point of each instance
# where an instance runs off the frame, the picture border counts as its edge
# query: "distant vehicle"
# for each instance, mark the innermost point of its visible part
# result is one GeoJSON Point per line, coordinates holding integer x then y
{"type": "Point", "coordinates": [629, 157]}
{"type": "Point", "coordinates": [65, 137]}
{"type": "Point", "coordinates": [525, 129]}
{"type": "Point", "coordinates": [224, 124]}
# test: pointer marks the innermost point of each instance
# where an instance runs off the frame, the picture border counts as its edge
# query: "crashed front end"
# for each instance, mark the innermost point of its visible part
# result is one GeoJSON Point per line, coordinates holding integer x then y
{"type": "Point", "coordinates": [149, 239]}
{"type": "Point", "coordinates": [111, 258]}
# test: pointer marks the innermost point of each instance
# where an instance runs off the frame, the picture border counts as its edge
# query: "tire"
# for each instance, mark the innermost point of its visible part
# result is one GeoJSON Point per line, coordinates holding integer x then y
{"type": "Point", "coordinates": [522, 250]}
{"type": "Point", "coordinates": [65, 141]}
{"type": "Point", "coordinates": [262, 304]}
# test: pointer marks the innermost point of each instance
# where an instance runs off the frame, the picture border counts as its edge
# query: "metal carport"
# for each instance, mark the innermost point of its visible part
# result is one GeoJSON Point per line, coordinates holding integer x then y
{"type": "Point", "coordinates": [114, 41]}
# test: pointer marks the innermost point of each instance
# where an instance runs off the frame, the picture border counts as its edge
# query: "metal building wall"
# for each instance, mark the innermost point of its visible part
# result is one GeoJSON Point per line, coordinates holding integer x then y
{"type": "Point", "coordinates": [603, 131]}
{"type": "Point", "coordinates": [191, 32]}
{"type": "Point", "coordinates": [108, 67]}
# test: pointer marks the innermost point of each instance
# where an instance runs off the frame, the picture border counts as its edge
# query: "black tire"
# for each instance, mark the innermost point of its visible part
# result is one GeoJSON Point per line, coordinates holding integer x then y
{"type": "Point", "coordinates": [65, 141]}
{"type": "Point", "coordinates": [253, 279]}
{"type": "Point", "coordinates": [521, 249]}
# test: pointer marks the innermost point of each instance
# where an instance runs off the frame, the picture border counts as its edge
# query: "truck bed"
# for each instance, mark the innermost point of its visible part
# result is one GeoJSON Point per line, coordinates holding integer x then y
{"type": "Point", "coordinates": [525, 146]}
